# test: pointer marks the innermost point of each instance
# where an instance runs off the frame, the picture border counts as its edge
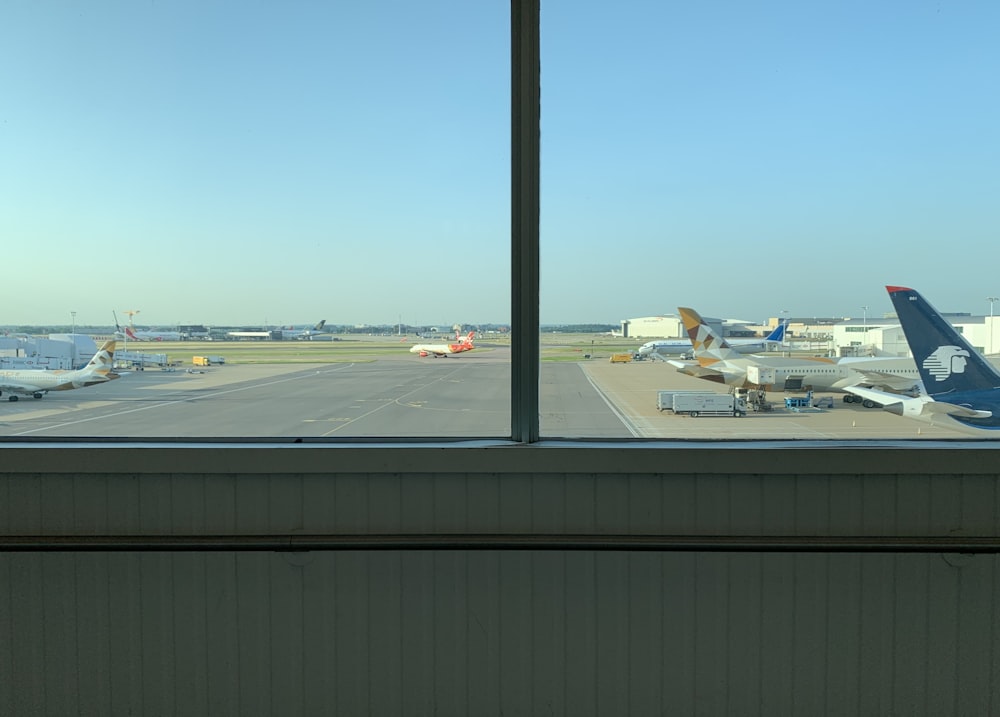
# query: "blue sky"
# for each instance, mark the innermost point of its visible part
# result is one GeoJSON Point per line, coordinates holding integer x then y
{"type": "Point", "coordinates": [223, 162]}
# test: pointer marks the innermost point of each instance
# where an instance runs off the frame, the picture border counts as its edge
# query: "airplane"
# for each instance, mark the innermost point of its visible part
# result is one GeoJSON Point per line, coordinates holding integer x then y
{"type": "Point", "coordinates": [443, 350]}
{"type": "Point", "coordinates": [961, 388]}
{"type": "Point", "coordinates": [141, 335]}
{"type": "Point", "coordinates": [293, 333]}
{"type": "Point", "coordinates": [682, 347]}
{"type": "Point", "coordinates": [38, 382]}
{"type": "Point", "coordinates": [715, 360]}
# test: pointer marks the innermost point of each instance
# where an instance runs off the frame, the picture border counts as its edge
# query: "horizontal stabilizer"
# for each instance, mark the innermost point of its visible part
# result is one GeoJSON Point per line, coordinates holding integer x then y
{"type": "Point", "coordinates": [693, 369]}
{"type": "Point", "coordinates": [953, 409]}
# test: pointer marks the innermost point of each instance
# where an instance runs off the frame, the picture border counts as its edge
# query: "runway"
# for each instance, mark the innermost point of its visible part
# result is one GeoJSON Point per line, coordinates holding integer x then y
{"type": "Point", "coordinates": [460, 397]}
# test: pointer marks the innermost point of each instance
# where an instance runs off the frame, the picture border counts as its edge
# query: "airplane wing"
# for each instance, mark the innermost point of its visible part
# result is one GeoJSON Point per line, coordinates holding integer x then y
{"type": "Point", "coordinates": [693, 368]}
{"type": "Point", "coordinates": [927, 405]}
{"type": "Point", "coordinates": [891, 380]}
{"type": "Point", "coordinates": [684, 366]}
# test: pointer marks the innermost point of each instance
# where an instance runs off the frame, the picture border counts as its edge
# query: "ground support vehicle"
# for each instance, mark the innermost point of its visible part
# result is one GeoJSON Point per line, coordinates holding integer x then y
{"type": "Point", "coordinates": [709, 404]}
{"type": "Point", "coordinates": [665, 399]}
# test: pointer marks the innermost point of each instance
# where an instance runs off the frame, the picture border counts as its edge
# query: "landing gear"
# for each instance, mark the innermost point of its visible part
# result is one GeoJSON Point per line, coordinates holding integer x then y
{"type": "Point", "coordinates": [866, 402]}
{"type": "Point", "coordinates": [37, 394]}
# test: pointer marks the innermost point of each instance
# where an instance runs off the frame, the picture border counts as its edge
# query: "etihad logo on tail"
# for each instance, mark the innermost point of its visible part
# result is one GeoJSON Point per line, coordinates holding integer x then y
{"type": "Point", "coordinates": [945, 361]}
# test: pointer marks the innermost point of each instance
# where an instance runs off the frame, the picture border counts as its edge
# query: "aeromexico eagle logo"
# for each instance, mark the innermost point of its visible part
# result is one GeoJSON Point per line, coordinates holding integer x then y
{"type": "Point", "coordinates": [945, 361]}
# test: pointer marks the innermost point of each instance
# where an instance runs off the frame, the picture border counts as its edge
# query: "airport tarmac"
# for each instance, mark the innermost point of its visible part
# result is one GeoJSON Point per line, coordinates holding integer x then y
{"type": "Point", "coordinates": [633, 387]}
{"type": "Point", "coordinates": [467, 396]}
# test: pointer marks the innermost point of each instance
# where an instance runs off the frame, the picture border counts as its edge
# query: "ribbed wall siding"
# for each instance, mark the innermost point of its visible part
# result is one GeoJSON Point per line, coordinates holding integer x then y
{"type": "Point", "coordinates": [495, 632]}
{"type": "Point", "coordinates": [586, 581]}
{"type": "Point", "coordinates": [872, 505]}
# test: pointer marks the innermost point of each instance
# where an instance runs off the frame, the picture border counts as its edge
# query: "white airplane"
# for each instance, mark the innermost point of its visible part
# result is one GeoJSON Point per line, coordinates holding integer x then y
{"type": "Point", "coordinates": [293, 333]}
{"type": "Point", "coordinates": [444, 350]}
{"type": "Point", "coordinates": [142, 335]}
{"type": "Point", "coordinates": [961, 388]}
{"type": "Point", "coordinates": [716, 361]}
{"type": "Point", "coordinates": [682, 347]}
{"type": "Point", "coordinates": [38, 382]}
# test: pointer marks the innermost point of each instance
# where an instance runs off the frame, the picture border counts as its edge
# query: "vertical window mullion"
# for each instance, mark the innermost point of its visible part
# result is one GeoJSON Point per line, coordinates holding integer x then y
{"type": "Point", "coordinates": [525, 133]}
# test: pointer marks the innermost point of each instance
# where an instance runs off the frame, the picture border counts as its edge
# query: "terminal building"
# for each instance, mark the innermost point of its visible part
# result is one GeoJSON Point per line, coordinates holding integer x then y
{"type": "Point", "coordinates": [58, 351]}
{"type": "Point", "coordinates": [869, 336]}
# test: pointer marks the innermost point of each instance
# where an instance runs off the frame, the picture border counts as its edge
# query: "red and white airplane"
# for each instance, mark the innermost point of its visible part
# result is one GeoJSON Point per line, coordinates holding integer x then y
{"type": "Point", "coordinates": [443, 350]}
{"type": "Point", "coordinates": [142, 335]}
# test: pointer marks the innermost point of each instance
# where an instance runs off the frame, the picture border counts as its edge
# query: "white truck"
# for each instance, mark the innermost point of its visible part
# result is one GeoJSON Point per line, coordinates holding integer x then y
{"type": "Point", "coordinates": [709, 404]}
{"type": "Point", "coordinates": [665, 398]}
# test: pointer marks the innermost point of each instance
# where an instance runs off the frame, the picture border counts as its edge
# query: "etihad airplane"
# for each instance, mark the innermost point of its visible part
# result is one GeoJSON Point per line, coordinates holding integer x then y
{"type": "Point", "coordinates": [38, 382]}
{"type": "Point", "coordinates": [293, 333]}
{"type": "Point", "coordinates": [716, 361]}
{"type": "Point", "coordinates": [443, 350]}
{"type": "Point", "coordinates": [961, 388]}
{"type": "Point", "coordinates": [682, 347]}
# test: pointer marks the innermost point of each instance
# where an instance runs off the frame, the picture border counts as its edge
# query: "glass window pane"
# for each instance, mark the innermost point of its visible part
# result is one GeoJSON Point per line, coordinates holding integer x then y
{"type": "Point", "coordinates": [234, 175]}
{"type": "Point", "coordinates": [757, 164]}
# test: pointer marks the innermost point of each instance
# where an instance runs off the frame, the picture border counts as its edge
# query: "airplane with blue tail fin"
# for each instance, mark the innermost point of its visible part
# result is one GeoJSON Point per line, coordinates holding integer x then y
{"type": "Point", "coordinates": [961, 388]}
{"type": "Point", "coordinates": [683, 346]}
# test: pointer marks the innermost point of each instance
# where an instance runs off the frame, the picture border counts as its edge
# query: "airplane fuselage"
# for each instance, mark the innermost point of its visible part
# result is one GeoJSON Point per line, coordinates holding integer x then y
{"type": "Point", "coordinates": [683, 348]}
{"type": "Point", "coordinates": [439, 349]}
{"type": "Point", "coordinates": [31, 381]}
{"type": "Point", "coordinates": [821, 374]}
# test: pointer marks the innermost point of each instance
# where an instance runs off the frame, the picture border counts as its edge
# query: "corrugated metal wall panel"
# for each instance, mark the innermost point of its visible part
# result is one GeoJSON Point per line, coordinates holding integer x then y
{"type": "Point", "coordinates": [487, 631]}
{"type": "Point", "coordinates": [491, 632]}
{"type": "Point", "coordinates": [872, 504]}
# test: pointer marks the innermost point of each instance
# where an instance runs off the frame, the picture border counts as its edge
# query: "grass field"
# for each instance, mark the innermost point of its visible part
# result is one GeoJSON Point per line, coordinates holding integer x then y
{"type": "Point", "coordinates": [353, 348]}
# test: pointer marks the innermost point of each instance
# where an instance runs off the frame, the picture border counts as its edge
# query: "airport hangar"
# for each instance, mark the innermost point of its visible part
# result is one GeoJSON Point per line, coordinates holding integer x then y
{"type": "Point", "coordinates": [501, 577]}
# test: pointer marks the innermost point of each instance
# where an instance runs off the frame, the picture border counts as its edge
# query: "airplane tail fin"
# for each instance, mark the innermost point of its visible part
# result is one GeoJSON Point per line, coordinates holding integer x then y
{"type": "Point", "coordinates": [946, 361]}
{"type": "Point", "coordinates": [708, 346]}
{"type": "Point", "coordinates": [778, 335]}
{"type": "Point", "coordinates": [103, 361]}
{"type": "Point", "coordinates": [319, 326]}
{"type": "Point", "coordinates": [131, 334]}
{"type": "Point", "coordinates": [467, 339]}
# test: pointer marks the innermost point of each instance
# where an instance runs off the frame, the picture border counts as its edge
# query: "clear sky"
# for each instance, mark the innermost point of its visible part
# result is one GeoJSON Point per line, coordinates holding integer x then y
{"type": "Point", "coordinates": [262, 162]}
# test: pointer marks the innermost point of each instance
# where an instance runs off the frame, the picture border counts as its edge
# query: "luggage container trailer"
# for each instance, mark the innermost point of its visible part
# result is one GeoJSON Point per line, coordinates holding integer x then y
{"type": "Point", "coordinates": [665, 398]}
{"type": "Point", "coordinates": [709, 404]}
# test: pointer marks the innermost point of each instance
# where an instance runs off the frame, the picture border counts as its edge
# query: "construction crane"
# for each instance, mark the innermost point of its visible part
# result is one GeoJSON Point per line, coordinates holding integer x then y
{"type": "Point", "coordinates": [131, 321]}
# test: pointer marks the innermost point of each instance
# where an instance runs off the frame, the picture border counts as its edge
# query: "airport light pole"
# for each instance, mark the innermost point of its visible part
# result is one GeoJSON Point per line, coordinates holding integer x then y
{"type": "Point", "coordinates": [73, 315]}
{"type": "Point", "coordinates": [784, 320]}
{"type": "Point", "coordinates": [864, 327]}
{"type": "Point", "coordinates": [991, 299]}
